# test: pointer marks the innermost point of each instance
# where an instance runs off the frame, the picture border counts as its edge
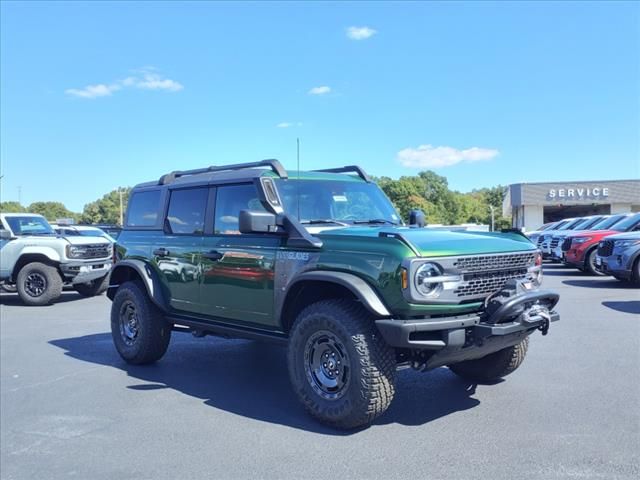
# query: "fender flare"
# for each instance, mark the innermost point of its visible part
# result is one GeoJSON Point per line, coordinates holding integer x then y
{"type": "Point", "coordinates": [359, 287]}
{"type": "Point", "coordinates": [48, 252]}
{"type": "Point", "coordinates": [149, 277]}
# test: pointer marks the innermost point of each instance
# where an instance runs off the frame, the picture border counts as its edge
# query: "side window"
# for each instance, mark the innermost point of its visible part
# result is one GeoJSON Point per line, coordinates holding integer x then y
{"type": "Point", "coordinates": [186, 211]}
{"type": "Point", "coordinates": [229, 201]}
{"type": "Point", "coordinates": [143, 209]}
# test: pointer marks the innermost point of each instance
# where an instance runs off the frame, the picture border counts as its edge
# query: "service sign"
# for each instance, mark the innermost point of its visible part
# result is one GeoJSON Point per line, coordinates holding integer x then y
{"type": "Point", "coordinates": [578, 193]}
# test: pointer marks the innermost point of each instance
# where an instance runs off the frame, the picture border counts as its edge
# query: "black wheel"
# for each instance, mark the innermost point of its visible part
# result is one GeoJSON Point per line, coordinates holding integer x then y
{"type": "Point", "coordinates": [93, 288]}
{"type": "Point", "coordinates": [139, 330]}
{"type": "Point", "coordinates": [9, 288]}
{"type": "Point", "coordinates": [493, 366]}
{"type": "Point", "coordinates": [590, 263]}
{"type": "Point", "coordinates": [635, 272]}
{"type": "Point", "coordinates": [340, 368]}
{"type": "Point", "coordinates": [38, 284]}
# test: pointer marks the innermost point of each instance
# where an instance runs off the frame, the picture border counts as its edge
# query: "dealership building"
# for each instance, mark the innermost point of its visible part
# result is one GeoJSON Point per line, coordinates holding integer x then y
{"type": "Point", "coordinates": [530, 205]}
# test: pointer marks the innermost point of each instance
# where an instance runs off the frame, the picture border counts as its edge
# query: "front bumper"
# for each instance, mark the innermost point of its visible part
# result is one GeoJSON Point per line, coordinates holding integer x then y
{"type": "Point", "coordinates": [613, 265]}
{"type": "Point", "coordinates": [459, 338]}
{"type": "Point", "coordinates": [82, 272]}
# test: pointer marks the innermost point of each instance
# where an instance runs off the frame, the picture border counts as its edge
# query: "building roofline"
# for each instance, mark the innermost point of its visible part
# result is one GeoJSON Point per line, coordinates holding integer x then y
{"type": "Point", "coordinates": [576, 181]}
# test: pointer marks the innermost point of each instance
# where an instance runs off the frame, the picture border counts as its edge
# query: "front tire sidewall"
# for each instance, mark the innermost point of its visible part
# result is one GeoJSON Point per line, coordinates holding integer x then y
{"type": "Point", "coordinates": [365, 395]}
{"type": "Point", "coordinates": [591, 264]}
{"type": "Point", "coordinates": [52, 280]}
{"type": "Point", "coordinates": [154, 332]}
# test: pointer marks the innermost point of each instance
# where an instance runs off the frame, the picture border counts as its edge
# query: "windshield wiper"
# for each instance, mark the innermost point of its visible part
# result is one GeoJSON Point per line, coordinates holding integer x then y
{"type": "Point", "coordinates": [375, 221]}
{"type": "Point", "coordinates": [323, 221]}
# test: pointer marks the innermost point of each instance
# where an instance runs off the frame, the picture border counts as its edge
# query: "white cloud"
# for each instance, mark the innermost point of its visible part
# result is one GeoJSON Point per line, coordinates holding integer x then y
{"type": "Point", "coordinates": [93, 91]}
{"type": "Point", "coordinates": [147, 79]}
{"type": "Point", "coordinates": [319, 90]}
{"type": "Point", "coordinates": [153, 81]}
{"type": "Point", "coordinates": [428, 156]}
{"type": "Point", "coordinates": [360, 33]}
{"type": "Point", "coordinates": [288, 124]}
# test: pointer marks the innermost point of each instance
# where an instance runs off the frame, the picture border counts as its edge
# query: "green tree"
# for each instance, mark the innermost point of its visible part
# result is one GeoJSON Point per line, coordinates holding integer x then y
{"type": "Point", "coordinates": [11, 207]}
{"type": "Point", "coordinates": [107, 208]}
{"type": "Point", "coordinates": [51, 210]}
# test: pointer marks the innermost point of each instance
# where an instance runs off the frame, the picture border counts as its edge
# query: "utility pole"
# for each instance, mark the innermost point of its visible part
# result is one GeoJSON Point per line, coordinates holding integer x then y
{"type": "Point", "coordinates": [20, 195]}
{"type": "Point", "coordinates": [492, 208]}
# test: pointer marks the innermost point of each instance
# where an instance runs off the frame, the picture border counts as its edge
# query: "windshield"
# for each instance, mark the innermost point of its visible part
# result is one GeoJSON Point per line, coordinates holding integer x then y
{"type": "Point", "coordinates": [607, 222]}
{"type": "Point", "coordinates": [29, 225]}
{"type": "Point", "coordinates": [627, 224]}
{"type": "Point", "coordinates": [572, 225]}
{"type": "Point", "coordinates": [559, 225]}
{"type": "Point", "coordinates": [316, 201]}
{"type": "Point", "coordinates": [588, 223]}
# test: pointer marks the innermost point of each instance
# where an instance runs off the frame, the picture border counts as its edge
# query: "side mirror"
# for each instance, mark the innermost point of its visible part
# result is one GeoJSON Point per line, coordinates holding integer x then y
{"type": "Point", "coordinates": [5, 235]}
{"type": "Point", "coordinates": [417, 219]}
{"type": "Point", "coordinates": [258, 222]}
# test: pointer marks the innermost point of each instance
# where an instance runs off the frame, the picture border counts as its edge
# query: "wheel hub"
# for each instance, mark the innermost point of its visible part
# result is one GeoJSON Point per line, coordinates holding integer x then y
{"type": "Point", "coordinates": [128, 323]}
{"type": "Point", "coordinates": [326, 365]}
{"type": "Point", "coordinates": [35, 284]}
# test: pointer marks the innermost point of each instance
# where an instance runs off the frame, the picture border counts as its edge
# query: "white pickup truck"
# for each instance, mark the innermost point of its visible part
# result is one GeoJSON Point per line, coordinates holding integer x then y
{"type": "Point", "coordinates": [37, 261]}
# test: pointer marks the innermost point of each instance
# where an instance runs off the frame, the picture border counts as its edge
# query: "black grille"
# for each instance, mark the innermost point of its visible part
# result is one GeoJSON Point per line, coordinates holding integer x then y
{"type": "Point", "coordinates": [566, 244]}
{"type": "Point", "coordinates": [484, 263]}
{"type": "Point", "coordinates": [605, 248]}
{"type": "Point", "coordinates": [96, 251]}
{"type": "Point", "coordinates": [554, 242]}
{"type": "Point", "coordinates": [540, 240]}
{"type": "Point", "coordinates": [483, 284]}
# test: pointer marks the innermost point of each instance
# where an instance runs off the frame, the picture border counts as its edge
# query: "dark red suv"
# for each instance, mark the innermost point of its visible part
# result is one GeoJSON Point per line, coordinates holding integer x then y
{"type": "Point", "coordinates": [580, 248]}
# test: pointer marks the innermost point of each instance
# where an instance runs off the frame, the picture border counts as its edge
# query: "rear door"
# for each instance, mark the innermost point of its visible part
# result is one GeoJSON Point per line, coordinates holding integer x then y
{"type": "Point", "coordinates": [178, 256]}
{"type": "Point", "coordinates": [238, 269]}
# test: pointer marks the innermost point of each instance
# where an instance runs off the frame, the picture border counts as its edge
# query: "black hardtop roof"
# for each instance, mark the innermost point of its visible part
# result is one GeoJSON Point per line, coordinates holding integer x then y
{"type": "Point", "coordinates": [242, 172]}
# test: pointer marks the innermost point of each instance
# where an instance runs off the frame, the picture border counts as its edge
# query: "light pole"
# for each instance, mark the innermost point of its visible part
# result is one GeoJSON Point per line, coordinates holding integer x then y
{"type": "Point", "coordinates": [492, 208]}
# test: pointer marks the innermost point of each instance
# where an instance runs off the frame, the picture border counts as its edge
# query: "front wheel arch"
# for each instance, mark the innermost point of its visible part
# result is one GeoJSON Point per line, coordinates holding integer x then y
{"type": "Point", "coordinates": [142, 273]}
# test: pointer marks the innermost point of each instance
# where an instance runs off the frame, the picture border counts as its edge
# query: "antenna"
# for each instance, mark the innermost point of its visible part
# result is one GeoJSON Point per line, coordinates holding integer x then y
{"type": "Point", "coordinates": [298, 182]}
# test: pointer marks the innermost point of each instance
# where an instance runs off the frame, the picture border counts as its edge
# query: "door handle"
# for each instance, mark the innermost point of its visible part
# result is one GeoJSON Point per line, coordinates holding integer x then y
{"type": "Point", "coordinates": [161, 252]}
{"type": "Point", "coordinates": [213, 255]}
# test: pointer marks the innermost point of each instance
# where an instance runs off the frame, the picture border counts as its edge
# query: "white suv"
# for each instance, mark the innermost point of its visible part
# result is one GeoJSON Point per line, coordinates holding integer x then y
{"type": "Point", "coordinates": [37, 261]}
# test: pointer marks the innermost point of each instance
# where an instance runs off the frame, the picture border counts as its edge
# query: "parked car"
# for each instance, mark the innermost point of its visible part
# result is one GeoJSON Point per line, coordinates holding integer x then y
{"type": "Point", "coordinates": [555, 244]}
{"type": "Point", "coordinates": [37, 262]}
{"type": "Point", "coordinates": [619, 256]}
{"type": "Point", "coordinates": [322, 263]}
{"type": "Point", "coordinates": [537, 238]}
{"type": "Point", "coordinates": [544, 242]}
{"type": "Point", "coordinates": [83, 231]}
{"type": "Point", "coordinates": [580, 248]}
{"type": "Point", "coordinates": [534, 234]}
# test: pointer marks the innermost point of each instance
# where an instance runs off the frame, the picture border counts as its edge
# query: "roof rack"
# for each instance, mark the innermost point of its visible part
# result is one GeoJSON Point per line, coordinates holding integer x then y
{"type": "Point", "coordinates": [349, 168]}
{"type": "Point", "coordinates": [275, 165]}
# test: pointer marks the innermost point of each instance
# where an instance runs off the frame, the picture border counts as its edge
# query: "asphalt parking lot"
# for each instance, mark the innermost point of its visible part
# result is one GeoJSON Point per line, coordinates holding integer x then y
{"type": "Point", "coordinates": [213, 408]}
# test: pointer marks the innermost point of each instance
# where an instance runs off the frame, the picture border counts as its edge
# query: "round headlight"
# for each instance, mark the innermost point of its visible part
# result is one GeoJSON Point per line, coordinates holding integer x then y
{"type": "Point", "coordinates": [424, 272]}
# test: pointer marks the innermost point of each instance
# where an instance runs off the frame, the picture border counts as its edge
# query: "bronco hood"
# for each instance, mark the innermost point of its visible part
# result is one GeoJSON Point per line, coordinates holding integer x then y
{"type": "Point", "coordinates": [439, 243]}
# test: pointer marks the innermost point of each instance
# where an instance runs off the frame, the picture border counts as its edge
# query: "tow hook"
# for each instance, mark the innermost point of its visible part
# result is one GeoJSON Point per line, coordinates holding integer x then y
{"type": "Point", "coordinates": [536, 313]}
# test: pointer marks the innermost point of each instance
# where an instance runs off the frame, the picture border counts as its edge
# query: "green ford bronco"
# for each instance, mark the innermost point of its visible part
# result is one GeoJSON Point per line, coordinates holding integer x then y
{"type": "Point", "coordinates": [321, 261]}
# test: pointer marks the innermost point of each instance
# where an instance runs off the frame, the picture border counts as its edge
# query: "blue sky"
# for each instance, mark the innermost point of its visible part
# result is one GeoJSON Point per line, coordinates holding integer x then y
{"type": "Point", "coordinates": [97, 95]}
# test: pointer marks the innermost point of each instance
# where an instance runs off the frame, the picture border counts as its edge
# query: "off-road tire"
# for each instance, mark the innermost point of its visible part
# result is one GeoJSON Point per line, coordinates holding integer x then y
{"type": "Point", "coordinates": [52, 284]}
{"type": "Point", "coordinates": [93, 288]}
{"type": "Point", "coordinates": [590, 263]}
{"type": "Point", "coordinates": [153, 331]}
{"type": "Point", "coordinates": [371, 362]}
{"type": "Point", "coordinates": [494, 366]}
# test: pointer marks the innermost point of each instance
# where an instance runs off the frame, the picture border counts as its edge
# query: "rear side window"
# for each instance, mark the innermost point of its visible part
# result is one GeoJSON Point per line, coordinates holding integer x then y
{"type": "Point", "coordinates": [143, 209]}
{"type": "Point", "coordinates": [186, 211]}
{"type": "Point", "coordinates": [229, 201]}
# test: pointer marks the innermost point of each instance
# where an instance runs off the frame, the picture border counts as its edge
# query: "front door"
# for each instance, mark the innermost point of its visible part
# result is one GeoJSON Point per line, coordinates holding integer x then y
{"type": "Point", "coordinates": [238, 269]}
